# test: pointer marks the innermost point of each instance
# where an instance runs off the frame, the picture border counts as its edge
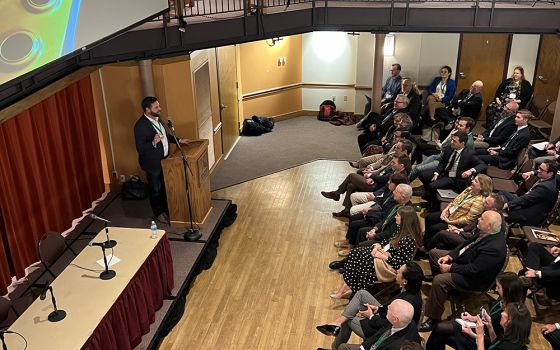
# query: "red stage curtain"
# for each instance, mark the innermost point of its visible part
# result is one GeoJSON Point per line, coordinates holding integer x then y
{"type": "Point", "coordinates": [50, 169]}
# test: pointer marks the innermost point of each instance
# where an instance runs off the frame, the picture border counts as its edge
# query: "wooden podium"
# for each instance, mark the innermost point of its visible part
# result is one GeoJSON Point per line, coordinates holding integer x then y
{"type": "Point", "coordinates": [199, 184]}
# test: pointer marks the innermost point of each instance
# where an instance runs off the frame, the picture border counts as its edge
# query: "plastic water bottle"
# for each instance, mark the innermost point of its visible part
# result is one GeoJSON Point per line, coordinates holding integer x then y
{"type": "Point", "coordinates": [153, 227]}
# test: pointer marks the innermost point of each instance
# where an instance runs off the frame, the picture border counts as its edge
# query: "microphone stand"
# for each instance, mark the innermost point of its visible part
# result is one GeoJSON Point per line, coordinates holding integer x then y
{"type": "Point", "coordinates": [4, 347]}
{"type": "Point", "coordinates": [191, 234]}
{"type": "Point", "coordinates": [107, 274]}
{"type": "Point", "coordinates": [109, 243]}
{"type": "Point", "coordinates": [56, 315]}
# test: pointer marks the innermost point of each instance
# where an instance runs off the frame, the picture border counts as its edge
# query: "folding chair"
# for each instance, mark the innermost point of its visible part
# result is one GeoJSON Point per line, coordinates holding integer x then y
{"type": "Point", "coordinates": [51, 247]}
{"type": "Point", "coordinates": [512, 185]}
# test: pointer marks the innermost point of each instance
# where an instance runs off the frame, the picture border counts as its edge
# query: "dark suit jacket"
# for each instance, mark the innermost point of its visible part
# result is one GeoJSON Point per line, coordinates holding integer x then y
{"type": "Point", "coordinates": [467, 160]}
{"type": "Point", "coordinates": [414, 105]}
{"type": "Point", "coordinates": [507, 157]}
{"type": "Point", "coordinates": [387, 120]}
{"type": "Point", "coordinates": [478, 266]}
{"type": "Point", "coordinates": [394, 342]}
{"type": "Point", "coordinates": [379, 321]}
{"type": "Point", "coordinates": [533, 207]}
{"type": "Point", "coordinates": [502, 132]}
{"type": "Point", "coordinates": [149, 156]}
{"type": "Point", "coordinates": [386, 202]}
{"type": "Point", "coordinates": [469, 107]}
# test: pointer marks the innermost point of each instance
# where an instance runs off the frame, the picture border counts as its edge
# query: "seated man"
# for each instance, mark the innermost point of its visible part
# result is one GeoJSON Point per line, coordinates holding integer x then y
{"type": "Point", "coordinates": [551, 333]}
{"type": "Point", "coordinates": [550, 151]}
{"type": "Point", "coordinates": [542, 267]}
{"type": "Point", "coordinates": [458, 164]}
{"type": "Point", "coordinates": [369, 182]}
{"type": "Point", "coordinates": [374, 204]}
{"type": "Point", "coordinates": [367, 322]}
{"type": "Point", "coordinates": [376, 161]}
{"type": "Point", "coordinates": [452, 237]}
{"type": "Point", "coordinates": [468, 102]}
{"type": "Point", "coordinates": [502, 129]}
{"type": "Point", "coordinates": [392, 85]}
{"type": "Point", "coordinates": [532, 208]}
{"type": "Point", "coordinates": [399, 313]}
{"type": "Point", "coordinates": [472, 266]}
{"type": "Point", "coordinates": [505, 156]}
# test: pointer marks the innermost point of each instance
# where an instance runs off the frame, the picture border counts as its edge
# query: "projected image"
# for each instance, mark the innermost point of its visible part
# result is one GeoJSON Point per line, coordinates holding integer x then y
{"type": "Point", "coordinates": [36, 32]}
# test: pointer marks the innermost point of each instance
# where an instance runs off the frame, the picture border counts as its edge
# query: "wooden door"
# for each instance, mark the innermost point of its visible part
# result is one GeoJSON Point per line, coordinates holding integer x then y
{"type": "Point", "coordinates": [547, 77]}
{"type": "Point", "coordinates": [201, 82]}
{"type": "Point", "coordinates": [227, 82]}
{"type": "Point", "coordinates": [482, 57]}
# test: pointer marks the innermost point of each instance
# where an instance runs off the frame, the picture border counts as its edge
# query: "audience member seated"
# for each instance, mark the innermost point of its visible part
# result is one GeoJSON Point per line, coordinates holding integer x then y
{"type": "Point", "coordinates": [550, 151]}
{"type": "Point", "coordinates": [434, 150]}
{"type": "Point", "coordinates": [440, 92]}
{"type": "Point", "coordinates": [384, 229]}
{"type": "Point", "coordinates": [462, 211]}
{"type": "Point", "coordinates": [516, 322]}
{"type": "Point", "coordinates": [374, 205]}
{"type": "Point", "coordinates": [392, 85]}
{"type": "Point", "coordinates": [375, 125]}
{"type": "Point", "coordinates": [509, 290]}
{"type": "Point", "coordinates": [453, 235]}
{"type": "Point", "coordinates": [368, 182]}
{"type": "Point", "coordinates": [542, 268]}
{"type": "Point", "coordinates": [366, 265]}
{"type": "Point", "coordinates": [399, 314]}
{"type": "Point", "coordinates": [472, 266]}
{"type": "Point", "coordinates": [468, 102]}
{"type": "Point", "coordinates": [376, 161]}
{"type": "Point", "coordinates": [366, 323]}
{"type": "Point", "coordinates": [515, 88]}
{"type": "Point", "coordinates": [532, 208]}
{"type": "Point", "coordinates": [400, 129]}
{"type": "Point", "coordinates": [551, 333]}
{"type": "Point", "coordinates": [455, 169]}
{"type": "Point", "coordinates": [410, 90]}
{"type": "Point", "coordinates": [505, 156]}
{"type": "Point", "coordinates": [502, 129]}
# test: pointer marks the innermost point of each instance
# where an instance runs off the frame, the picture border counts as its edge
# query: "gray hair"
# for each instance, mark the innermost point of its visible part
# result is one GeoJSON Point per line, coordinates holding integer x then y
{"type": "Point", "coordinates": [404, 98]}
{"type": "Point", "coordinates": [405, 190]}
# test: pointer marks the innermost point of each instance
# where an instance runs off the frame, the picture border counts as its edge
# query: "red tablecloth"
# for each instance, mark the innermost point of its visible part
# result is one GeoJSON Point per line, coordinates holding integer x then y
{"type": "Point", "coordinates": [133, 312]}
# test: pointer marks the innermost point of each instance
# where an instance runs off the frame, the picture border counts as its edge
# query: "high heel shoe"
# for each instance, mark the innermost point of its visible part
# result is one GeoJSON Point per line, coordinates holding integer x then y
{"type": "Point", "coordinates": [345, 295]}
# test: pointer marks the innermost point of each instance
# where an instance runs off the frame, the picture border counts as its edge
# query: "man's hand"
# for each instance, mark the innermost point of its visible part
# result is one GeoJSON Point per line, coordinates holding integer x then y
{"type": "Point", "coordinates": [371, 233]}
{"type": "Point", "coordinates": [453, 228]}
{"type": "Point", "coordinates": [526, 175]}
{"type": "Point", "coordinates": [444, 268]}
{"type": "Point", "coordinates": [551, 152]}
{"type": "Point", "coordinates": [184, 141]}
{"type": "Point", "coordinates": [530, 273]}
{"type": "Point", "coordinates": [370, 181]}
{"type": "Point", "coordinates": [479, 138]}
{"type": "Point", "coordinates": [444, 260]}
{"type": "Point", "coordinates": [370, 196]}
{"type": "Point", "coordinates": [157, 139]}
{"type": "Point", "coordinates": [372, 127]}
{"type": "Point", "coordinates": [492, 152]}
{"type": "Point", "coordinates": [371, 310]}
{"type": "Point", "coordinates": [466, 174]}
{"type": "Point", "coordinates": [548, 328]}
{"type": "Point", "coordinates": [555, 250]}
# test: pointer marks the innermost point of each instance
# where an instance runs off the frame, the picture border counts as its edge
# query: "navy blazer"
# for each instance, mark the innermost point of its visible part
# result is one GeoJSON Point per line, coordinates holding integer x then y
{"type": "Point", "coordinates": [469, 108]}
{"type": "Point", "coordinates": [467, 160]}
{"type": "Point", "coordinates": [507, 157]}
{"type": "Point", "coordinates": [449, 90]}
{"type": "Point", "coordinates": [149, 156]}
{"type": "Point", "coordinates": [533, 207]}
{"type": "Point", "coordinates": [394, 342]}
{"type": "Point", "coordinates": [478, 266]}
{"type": "Point", "coordinates": [502, 132]}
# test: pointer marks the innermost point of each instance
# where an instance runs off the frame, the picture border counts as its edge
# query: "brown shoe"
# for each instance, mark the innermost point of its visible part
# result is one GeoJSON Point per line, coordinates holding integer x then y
{"type": "Point", "coordinates": [331, 195]}
{"type": "Point", "coordinates": [344, 213]}
{"type": "Point", "coordinates": [342, 244]}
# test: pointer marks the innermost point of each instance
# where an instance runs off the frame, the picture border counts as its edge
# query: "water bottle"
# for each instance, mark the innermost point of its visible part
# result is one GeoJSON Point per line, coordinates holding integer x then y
{"type": "Point", "coordinates": [153, 227]}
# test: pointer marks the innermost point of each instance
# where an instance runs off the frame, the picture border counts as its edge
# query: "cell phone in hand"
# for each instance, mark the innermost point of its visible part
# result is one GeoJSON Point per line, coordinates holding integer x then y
{"type": "Point", "coordinates": [363, 307]}
{"type": "Point", "coordinates": [482, 313]}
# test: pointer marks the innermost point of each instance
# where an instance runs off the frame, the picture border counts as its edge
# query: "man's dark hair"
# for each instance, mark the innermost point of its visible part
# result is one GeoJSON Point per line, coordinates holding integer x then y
{"type": "Point", "coordinates": [147, 102]}
{"type": "Point", "coordinates": [396, 65]}
{"type": "Point", "coordinates": [403, 159]}
{"type": "Point", "coordinates": [462, 136]}
{"type": "Point", "coordinates": [414, 277]}
{"type": "Point", "coordinates": [398, 178]}
{"type": "Point", "coordinates": [498, 201]}
{"type": "Point", "coordinates": [552, 165]}
{"type": "Point", "coordinates": [407, 145]}
{"type": "Point", "coordinates": [470, 122]}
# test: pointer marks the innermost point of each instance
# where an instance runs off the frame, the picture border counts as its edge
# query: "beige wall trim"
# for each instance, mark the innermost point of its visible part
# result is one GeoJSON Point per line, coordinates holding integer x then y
{"type": "Point", "coordinates": [31, 100]}
{"type": "Point", "coordinates": [260, 93]}
{"type": "Point", "coordinates": [328, 86]}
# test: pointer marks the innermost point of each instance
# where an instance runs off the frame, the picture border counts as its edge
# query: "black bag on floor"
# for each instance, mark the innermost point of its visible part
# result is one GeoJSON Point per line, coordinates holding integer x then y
{"type": "Point", "coordinates": [252, 128]}
{"type": "Point", "coordinates": [264, 121]}
{"type": "Point", "coordinates": [134, 189]}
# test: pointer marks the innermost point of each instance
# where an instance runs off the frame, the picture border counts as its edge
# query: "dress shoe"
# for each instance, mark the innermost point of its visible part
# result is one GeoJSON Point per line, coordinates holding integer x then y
{"type": "Point", "coordinates": [428, 278]}
{"type": "Point", "coordinates": [343, 253]}
{"type": "Point", "coordinates": [427, 326]}
{"type": "Point", "coordinates": [353, 165]}
{"type": "Point", "coordinates": [329, 329]}
{"type": "Point", "coordinates": [545, 301]}
{"type": "Point", "coordinates": [342, 244]}
{"type": "Point", "coordinates": [163, 218]}
{"type": "Point", "coordinates": [345, 295]}
{"type": "Point", "coordinates": [331, 195]}
{"type": "Point", "coordinates": [337, 264]}
{"type": "Point", "coordinates": [344, 213]}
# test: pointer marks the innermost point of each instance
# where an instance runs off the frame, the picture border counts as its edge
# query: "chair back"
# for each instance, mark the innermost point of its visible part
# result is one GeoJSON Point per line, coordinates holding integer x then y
{"type": "Point", "coordinates": [539, 102]}
{"type": "Point", "coordinates": [521, 157]}
{"type": "Point", "coordinates": [51, 247]}
{"type": "Point", "coordinates": [553, 214]}
{"type": "Point", "coordinates": [5, 307]}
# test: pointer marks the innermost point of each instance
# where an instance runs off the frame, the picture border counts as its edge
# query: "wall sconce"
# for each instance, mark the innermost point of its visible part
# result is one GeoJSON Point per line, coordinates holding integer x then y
{"type": "Point", "coordinates": [389, 47]}
{"type": "Point", "coordinates": [274, 41]}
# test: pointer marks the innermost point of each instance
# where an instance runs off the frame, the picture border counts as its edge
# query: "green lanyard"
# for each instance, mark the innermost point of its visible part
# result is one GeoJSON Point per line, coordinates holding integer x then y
{"type": "Point", "coordinates": [380, 340]}
{"type": "Point", "coordinates": [160, 131]}
{"type": "Point", "coordinates": [465, 198]}
{"type": "Point", "coordinates": [387, 199]}
{"type": "Point", "coordinates": [390, 216]}
{"type": "Point", "coordinates": [493, 345]}
{"type": "Point", "coordinates": [497, 308]}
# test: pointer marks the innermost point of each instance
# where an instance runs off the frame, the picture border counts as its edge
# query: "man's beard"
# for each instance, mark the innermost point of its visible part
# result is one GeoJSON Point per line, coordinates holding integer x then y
{"type": "Point", "coordinates": [155, 115]}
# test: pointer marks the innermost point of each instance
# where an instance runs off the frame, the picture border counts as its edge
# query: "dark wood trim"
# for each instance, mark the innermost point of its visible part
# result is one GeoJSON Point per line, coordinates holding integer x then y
{"type": "Point", "coordinates": [457, 65]}
{"type": "Point", "coordinates": [506, 59]}
{"type": "Point", "coordinates": [535, 74]}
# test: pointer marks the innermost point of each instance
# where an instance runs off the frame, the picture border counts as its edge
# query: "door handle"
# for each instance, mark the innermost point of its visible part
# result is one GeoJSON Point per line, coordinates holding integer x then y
{"type": "Point", "coordinates": [222, 106]}
{"type": "Point", "coordinates": [462, 75]}
{"type": "Point", "coordinates": [543, 79]}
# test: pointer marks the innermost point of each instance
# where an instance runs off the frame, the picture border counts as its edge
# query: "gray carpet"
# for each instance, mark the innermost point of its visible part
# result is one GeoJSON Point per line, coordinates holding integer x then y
{"type": "Point", "coordinates": [292, 142]}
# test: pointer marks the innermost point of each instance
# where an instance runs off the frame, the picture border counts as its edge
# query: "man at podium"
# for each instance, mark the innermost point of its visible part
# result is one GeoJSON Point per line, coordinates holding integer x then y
{"type": "Point", "coordinates": [152, 145]}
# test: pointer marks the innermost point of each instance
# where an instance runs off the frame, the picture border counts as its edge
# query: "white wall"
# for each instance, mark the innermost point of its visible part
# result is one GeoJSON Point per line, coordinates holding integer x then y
{"type": "Point", "coordinates": [329, 57]}
{"type": "Point", "coordinates": [524, 50]}
{"type": "Point", "coordinates": [437, 50]}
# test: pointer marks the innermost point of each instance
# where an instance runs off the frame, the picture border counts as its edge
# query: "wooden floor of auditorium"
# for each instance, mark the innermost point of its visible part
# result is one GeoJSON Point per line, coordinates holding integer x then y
{"type": "Point", "coordinates": [269, 286]}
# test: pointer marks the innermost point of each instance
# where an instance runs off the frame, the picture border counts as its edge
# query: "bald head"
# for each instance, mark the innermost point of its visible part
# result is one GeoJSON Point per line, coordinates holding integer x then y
{"type": "Point", "coordinates": [400, 313]}
{"type": "Point", "coordinates": [490, 221]}
{"type": "Point", "coordinates": [476, 87]}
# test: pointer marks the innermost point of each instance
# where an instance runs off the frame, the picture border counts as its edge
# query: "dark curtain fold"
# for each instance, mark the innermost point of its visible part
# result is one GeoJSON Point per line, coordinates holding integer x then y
{"type": "Point", "coordinates": [50, 169]}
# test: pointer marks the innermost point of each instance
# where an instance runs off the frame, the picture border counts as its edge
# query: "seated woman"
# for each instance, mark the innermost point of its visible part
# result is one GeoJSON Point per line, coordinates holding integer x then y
{"type": "Point", "coordinates": [373, 315]}
{"type": "Point", "coordinates": [516, 322]}
{"type": "Point", "coordinates": [440, 92]}
{"type": "Point", "coordinates": [515, 88]}
{"type": "Point", "coordinates": [509, 289]}
{"type": "Point", "coordinates": [366, 265]}
{"type": "Point", "coordinates": [463, 210]}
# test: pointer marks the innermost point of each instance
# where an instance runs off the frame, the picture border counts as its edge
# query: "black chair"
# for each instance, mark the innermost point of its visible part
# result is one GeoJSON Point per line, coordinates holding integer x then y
{"type": "Point", "coordinates": [512, 185]}
{"type": "Point", "coordinates": [51, 247]}
{"type": "Point", "coordinates": [5, 309]}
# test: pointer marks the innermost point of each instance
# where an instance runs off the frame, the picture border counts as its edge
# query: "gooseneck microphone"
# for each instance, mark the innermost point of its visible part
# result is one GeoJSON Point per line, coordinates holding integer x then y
{"type": "Point", "coordinates": [109, 243]}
